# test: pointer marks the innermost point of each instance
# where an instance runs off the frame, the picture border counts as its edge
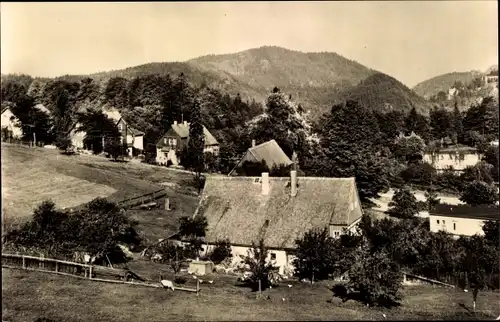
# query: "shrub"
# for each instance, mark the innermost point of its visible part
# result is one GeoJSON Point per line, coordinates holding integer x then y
{"type": "Point", "coordinates": [221, 251]}
{"type": "Point", "coordinates": [479, 193]}
{"type": "Point", "coordinates": [419, 173]}
{"type": "Point", "coordinates": [376, 278]}
{"type": "Point", "coordinates": [260, 268]}
{"type": "Point", "coordinates": [403, 204]}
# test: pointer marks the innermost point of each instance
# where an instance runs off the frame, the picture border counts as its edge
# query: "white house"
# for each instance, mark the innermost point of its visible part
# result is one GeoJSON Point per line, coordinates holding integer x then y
{"type": "Point", "coordinates": [277, 209]}
{"type": "Point", "coordinates": [457, 158]}
{"type": "Point", "coordinates": [77, 138]}
{"type": "Point", "coordinates": [11, 123]}
{"type": "Point", "coordinates": [133, 138]}
{"type": "Point", "coordinates": [176, 138]}
{"type": "Point", "coordinates": [461, 220]}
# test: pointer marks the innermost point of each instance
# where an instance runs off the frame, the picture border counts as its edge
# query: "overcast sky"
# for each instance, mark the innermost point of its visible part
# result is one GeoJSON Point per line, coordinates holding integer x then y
{"type": "Point", "coordinates": [411, 41]}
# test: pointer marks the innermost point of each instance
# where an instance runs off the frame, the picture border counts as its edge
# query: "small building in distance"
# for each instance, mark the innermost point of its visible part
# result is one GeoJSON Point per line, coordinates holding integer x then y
{"type": "Point", "coordinates": [277, 209]}
{"type": "Point", "coordinates": [176, 138]}
{"type": "Point", "coordinates": [457, 158]}
{"type": "Point", "coordinates": [10, 125]}
{"type": "Point", "coordinates": [491, 77]}
{"type": "Point", "coordinates": [461, 220]}
{"type": "Point", "coordinates": [132, 138]}
{"type": "Point", "coordinates": [270, 152]}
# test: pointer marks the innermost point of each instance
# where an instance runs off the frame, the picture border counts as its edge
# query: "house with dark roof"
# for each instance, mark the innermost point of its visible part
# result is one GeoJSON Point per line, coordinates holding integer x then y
{"type": "Point", "coordinates": [269, 151]}
{"type": "Point", "coordinates": [132, 138]}
{"type": "Point", "coordinates": [461, 220]}
{"type": "Point", "coordinates": [176, 138]}
{"type": "Point", "coordinates": [277, 209]}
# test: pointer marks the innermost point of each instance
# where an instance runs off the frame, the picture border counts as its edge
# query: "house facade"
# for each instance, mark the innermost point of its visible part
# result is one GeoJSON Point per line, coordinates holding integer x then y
{"type": "Point", "coordinates": [176, 138]}
{"type": "Point", "coordinates": [276, 209]}
{"type": "Point", "coordinates": [77, 138]}
{"type": "Point", "coordinates": [269, 151]}
{"type": "Point", "coordinates": [10, 124]}
{"type": "Point", "coordinates": [132, 138]}
{"type": "Point", "coordinates": [461, 220]}
{"type": "Point", "coordinates": [458, 159]}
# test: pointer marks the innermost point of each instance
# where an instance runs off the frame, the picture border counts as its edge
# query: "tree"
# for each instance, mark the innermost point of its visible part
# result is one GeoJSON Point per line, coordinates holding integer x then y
{"type": "Point", "coordinates": [173, 255]}
{"type": "Point", "coordinates": [221, 251]}
{"type": "Point", "coordinates": [113, 146]}
{"type": "Point", "coordinates": [193, 230]}
{"type": "Point", "coordinates": [259, 266]}
{"type": "Point", "coordinates": [431, 199]}
{"type": "Point", "coordinates": [376, 277]}
{"type": "Point", "coordinates": [196, 144]}
{"type": "Point", "coordinates": [97, 126]}
{"type": "Point", "coordinates": [479, 193]}
{"type": "Point", "coordinates": [491, 229]}
{"type": "Point", "coordinates": [480, 172]}
{"type": "Point", "coordinates": [456, 123]}
{"type": "Point", "coordinates": [491, 157]}
{"type": "Point", "coordinates": [418, 124]}
{"type": "Point", "coordinates": [403, 204]}
{"type": "Point", "coordinates": [441, 123]}
{"type": "Point", "coordinates": [410, 147]}
{"type": "Point", "coordinates": [314, 257]}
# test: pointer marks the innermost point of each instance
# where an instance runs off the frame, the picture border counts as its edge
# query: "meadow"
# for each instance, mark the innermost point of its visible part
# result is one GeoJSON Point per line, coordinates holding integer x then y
{"type": "Point", "coordinates": [31, 295]}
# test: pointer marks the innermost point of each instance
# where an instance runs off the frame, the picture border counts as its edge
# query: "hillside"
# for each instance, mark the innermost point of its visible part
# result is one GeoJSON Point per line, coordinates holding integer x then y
{"type": "Point", "coordinates": [444, 82]}
{"type": "Point", "coordinates": [316, 80]}
{"type": "Point", "coordinates": [383, 92]}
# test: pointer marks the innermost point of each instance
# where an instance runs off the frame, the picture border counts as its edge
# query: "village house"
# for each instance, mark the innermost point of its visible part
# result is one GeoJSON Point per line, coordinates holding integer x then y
{"type": "Point", "coordinates": [10, 125]}
{"type": "Point", "coordinates": [277, 209]}
{"type": "Point", "coordinates": [132, 138]}
{"type": "Point", "coordinates": [491, 77]}
{"type": "Point", "coordinates": [461, 220]}
{"type": "Point", "coordinates": [176, 138]}
{"type": "Point", "coordinates": [77, 138]}
{"type": "Point", "coordinates": [269, 151]}
{"type": "Point", "coordinates": [456, 158]}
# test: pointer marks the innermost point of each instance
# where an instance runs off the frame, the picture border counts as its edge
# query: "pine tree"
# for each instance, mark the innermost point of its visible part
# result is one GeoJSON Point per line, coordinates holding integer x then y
{"type": "Point", "coordinates": [403, 204]}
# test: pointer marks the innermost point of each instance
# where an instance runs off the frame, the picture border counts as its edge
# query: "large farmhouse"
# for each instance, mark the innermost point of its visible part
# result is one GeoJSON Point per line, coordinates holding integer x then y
{"type": "Point", "coordinates": [277, 209]}
{"type": "Point", "coordinates": [461, 220]}
{"type": "Point", "coordinates": [269, 151]}
{"type": "Point", "coordinates": [176, 138]}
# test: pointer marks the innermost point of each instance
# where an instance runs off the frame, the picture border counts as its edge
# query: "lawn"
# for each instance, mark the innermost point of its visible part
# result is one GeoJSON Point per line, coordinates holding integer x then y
{"type": "Point", "coordinates": [30, 176]}
{"type": "Point", "coordinates": [30, 295]}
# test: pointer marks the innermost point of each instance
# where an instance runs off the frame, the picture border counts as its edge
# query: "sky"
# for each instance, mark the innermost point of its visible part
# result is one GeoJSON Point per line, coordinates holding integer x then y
{"type": "Point", "coordinates": [411, 41]}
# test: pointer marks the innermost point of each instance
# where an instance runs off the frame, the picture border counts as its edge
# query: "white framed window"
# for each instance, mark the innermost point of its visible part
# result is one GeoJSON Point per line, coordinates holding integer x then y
{"type": "Point", "coordinates": [336, 233]}
{"type": "Point", "coordinates": [454, 226]}
{"type": "Point", "coordinates": [437, 221]}
{"type": "Point", "coordinates": [273, 256]}
{"type": "Point", "coordinates": [165, 141]}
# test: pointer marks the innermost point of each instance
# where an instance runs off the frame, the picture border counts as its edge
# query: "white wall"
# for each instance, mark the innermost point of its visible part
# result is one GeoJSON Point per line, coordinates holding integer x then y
{"type": "Point", "coordinates": [139, 142]}
{"type": "Point", "coordinates": [171, 155]}
{"type": "Point", "coordinates": [282, 260]}
{"type": "Point", "coordinates": [442, 161]}
{"type": "Point", "coordinates": [212, 149]}
{"type": "Point", "coordinates": [9, 121]}
{"type": "Point", "coordinates": [458, 226]}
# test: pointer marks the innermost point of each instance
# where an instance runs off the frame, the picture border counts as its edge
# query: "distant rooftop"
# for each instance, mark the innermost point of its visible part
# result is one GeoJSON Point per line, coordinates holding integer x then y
{"type": "Point", "coordinates": [467, 211]}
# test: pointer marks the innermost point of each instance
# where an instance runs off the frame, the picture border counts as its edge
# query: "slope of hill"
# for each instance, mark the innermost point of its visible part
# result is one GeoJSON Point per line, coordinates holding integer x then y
{"type": "Point", "coordinates": [444, 82]}
{"type": "Point", "coordinates": [316, 80]}
{"type": "Point", "coordinates": [383, 92]}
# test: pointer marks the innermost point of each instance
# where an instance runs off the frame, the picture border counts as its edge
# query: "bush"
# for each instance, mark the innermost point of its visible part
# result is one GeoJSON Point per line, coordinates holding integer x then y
{"type": "Point", "coordinates": [419, 173]}
{"type": "Point", "coordinates": [221, 251]}
{"type": "Point", "coordinates": [479, 193]}
{"type": "Point", "coordinates": [260, 268]}
{"type": "Point", "coordinates": [376, 278]}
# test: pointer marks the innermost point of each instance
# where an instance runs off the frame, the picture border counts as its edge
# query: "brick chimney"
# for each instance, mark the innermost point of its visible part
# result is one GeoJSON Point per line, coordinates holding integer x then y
{"type": "Point", "coordinates": [265, 183]}
{"type": "Point", "coordinates": [293, 183]}
{"type": "Point", "coordinates": [253, 143]}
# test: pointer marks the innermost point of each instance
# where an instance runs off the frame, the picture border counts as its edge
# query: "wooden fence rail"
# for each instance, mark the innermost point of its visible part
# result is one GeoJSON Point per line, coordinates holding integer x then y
{"type": "Point", "coordinates": [142, 199]}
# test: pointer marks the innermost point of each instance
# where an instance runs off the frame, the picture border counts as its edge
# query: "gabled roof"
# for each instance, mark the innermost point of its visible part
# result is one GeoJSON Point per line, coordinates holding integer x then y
{"type": "Point", "coordinates": [236, 209]}
{"type": "Point", "coordinates": [182, 130]}
{"type": "Point", "coordinates": [467, 211]}
{"type": "Point", "coordinates": [269, 151]}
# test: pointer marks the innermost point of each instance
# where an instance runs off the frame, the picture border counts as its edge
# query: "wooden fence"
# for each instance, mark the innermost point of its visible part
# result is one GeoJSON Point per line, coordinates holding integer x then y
{"type": "Point", "coordinates": [142, 199]}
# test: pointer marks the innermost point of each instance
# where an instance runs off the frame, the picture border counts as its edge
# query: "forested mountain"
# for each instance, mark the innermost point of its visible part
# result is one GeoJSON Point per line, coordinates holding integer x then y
{"type": "Point", "coordinates": [317, 80]}
{"type": "Point", "coordinates": [444, 82]}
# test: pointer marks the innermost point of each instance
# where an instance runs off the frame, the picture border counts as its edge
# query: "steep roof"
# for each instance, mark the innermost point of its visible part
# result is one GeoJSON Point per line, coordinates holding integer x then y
{"type": "Point", "coordinates": [182, 130]}
{"type": "Point", "coordinates": [270, 152]}
{"type": "Point", "coordinates": [467, 211]}
{"type": "Point", "coordinates": [236, 209]}
{"type": "Point", "coordinates": [113, 114]}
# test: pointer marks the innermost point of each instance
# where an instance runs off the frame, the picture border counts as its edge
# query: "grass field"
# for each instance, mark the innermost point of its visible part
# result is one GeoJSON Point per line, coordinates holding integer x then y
{"type": "Point", "coordinates": [30, 176]}
{"type": "Point", "coordinates": [30, 295]}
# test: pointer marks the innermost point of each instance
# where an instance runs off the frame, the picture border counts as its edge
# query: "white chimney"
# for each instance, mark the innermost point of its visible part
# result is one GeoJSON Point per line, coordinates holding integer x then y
{"type": "Point", "coordinates": [265, 183]}
{"type": "Point", "coordinates": [185, 123]}
{"type": "Point", "coordinates": [253, 143]}
{"type": "Point", "coordinates": [293, 183]}
{"type": "Point", "coordinates": [175, 122]}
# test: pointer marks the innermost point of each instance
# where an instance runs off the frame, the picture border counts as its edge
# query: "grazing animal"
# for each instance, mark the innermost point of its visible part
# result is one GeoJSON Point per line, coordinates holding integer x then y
{"type": "Point", "coordinates": [156, 258]}
{"type": "Point", "coordinates": [289, 285]}
{"type": "Point", "coordinates": [211, 282]}
{"type": "Point", "coordinates": [166, 283]}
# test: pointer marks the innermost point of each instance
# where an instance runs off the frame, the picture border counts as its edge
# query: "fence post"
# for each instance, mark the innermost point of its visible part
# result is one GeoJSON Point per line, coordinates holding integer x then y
{"type": "Point", "coordinates": [197, 287]}
{"type": "Point", "coordinates": [57, 267]}
{"type": "Point", "coordinates": [90, 272]}
{"type": "Point", "coordinates": [24, 262]}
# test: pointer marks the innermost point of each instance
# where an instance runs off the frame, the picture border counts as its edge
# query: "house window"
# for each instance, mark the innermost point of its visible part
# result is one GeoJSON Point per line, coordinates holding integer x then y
{"type": "Point", "coordinates": [454, 226]}
{"type": "Point", "coordinates": [444, 222]}
{"type": "Point", "coordinates": [120, 127]}
{"type": "Point", "coordinates": [437, 221]}
{"type": "Point", "coordinates": [273, 256]}
{"type": "Point", "coordinates": [336, 233]}
{"type": "Point", "coordinates": [165, 140]}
